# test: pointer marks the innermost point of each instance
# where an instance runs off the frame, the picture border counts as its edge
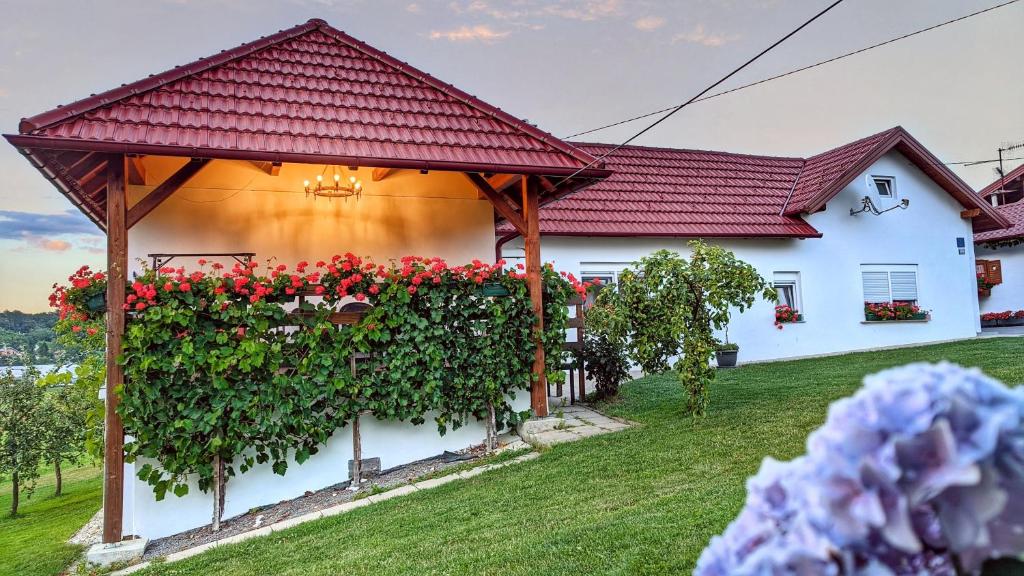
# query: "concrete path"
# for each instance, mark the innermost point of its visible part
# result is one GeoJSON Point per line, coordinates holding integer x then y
{"type": "Point", "coordinates": [568, 424]}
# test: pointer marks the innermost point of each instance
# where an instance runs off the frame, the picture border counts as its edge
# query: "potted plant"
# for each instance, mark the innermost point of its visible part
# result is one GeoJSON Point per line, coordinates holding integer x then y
{"type": "Point", "coordinates": [725, 354]}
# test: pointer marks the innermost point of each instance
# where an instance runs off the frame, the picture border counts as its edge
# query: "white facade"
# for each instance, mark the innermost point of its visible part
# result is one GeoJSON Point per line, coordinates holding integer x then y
{"type": "Point", "coordinates": [830, 288]}
{"type": "Point", "coordinates": [395, 443]}
{"type": "Point", "coordinates": [1010, 294]}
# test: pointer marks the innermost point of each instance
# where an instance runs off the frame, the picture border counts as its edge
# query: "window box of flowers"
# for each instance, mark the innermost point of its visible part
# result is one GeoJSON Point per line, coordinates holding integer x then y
{"type": "Point", "coordinates": [787, 315]}
{"type": "Point", "coordinates": [1006, 318]}
{"type": "Point", "coordinates": [984, 286]}
{"type": "Point", "coordinates": [894, 312]}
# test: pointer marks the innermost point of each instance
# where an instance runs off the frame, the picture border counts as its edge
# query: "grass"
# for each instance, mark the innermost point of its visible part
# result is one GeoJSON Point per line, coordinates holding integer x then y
{"type": "Point", "coordinates": [642, 501]}
{"type": "Point", "coordinates": [35, 542]}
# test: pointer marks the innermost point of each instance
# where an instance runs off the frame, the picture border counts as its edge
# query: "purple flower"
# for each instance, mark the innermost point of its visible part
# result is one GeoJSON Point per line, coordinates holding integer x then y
{"type": "Point", "coordinates": [923, 464]}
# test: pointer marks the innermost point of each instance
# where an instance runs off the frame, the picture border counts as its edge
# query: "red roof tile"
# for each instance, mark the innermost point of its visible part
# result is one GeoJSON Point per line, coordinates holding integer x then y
{"type": "Point", "coordinates": [1012, 212]}
{"type": "Point", "coordinates": [825, 170]}
{"type": "Point", "coordinates": [666, 192]}
{"type": "Point", "coordinates": [694, 193]}
{"type": "Point", "coordinates": [306, 92]}
{"type": "Point", "coordinates": [1015, 174]}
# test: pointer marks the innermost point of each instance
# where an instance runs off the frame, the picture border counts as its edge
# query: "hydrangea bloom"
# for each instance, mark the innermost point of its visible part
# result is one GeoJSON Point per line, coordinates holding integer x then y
{"type": "Point", "coordinates": [920, 471]}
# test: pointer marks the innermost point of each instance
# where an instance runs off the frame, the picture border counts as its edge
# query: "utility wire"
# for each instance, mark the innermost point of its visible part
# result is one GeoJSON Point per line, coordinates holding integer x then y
{"type": "Point", "coordinates": [791, 72]}
{"type": "Point", "coordinates": [672, 111]}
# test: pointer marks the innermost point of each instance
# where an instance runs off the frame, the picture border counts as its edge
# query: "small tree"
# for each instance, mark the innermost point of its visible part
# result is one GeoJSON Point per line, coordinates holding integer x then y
{"type": "Point", "coordinates": [21, 431]}
{"type": "Point", "coordinates": [605, 342]}
{"type": "Point", "coordinates": [65, 409]}
{"type": "Point", "coordinates": [674, 305]}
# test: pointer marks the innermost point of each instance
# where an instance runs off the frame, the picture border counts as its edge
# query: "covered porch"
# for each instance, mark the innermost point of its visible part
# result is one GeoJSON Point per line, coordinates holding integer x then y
{"type": "Point", "coordinates": [218, 156]}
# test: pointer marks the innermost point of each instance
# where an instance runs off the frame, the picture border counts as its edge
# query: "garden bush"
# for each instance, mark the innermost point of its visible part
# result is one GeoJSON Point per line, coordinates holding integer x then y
{"type": "Point", "coordinates": [221, 373]}
{"type": "Point", "coordinates": [604, 343]}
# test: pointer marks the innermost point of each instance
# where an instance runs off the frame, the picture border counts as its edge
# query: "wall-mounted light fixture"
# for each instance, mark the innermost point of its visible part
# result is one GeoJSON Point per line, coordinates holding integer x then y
{"type": "Point", "coordinates": [868, 206]}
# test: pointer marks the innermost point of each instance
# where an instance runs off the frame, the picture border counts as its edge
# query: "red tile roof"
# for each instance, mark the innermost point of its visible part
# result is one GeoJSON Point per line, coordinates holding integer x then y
{"type": "Point", "coordinates": [825, 171]}
{"type": "Point", "coordinates": [308, 94]}
{"type": "Point", "coordinates": [666, 192]}
{"type": "Point", "coordinates": [695, 193]}
{"type": "Point", "coordinates": [1012, 212]}
{"type": "Point", "coordinates": [1015, 174]}
{"type": "Point", "coordinates": [302, 93]}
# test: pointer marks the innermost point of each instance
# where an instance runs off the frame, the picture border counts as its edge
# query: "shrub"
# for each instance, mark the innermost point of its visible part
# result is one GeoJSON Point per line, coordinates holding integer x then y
{"type": "Point", "coordinates": [220, 375]}
{"type": "Point", "coordinates": [726, 346]}
{"type": "Point", "coordinates": [673, 306]}
{"type": "Point", "coordinates": [919, 472]}
{"type": "Point", "coordinates": [604, 343]}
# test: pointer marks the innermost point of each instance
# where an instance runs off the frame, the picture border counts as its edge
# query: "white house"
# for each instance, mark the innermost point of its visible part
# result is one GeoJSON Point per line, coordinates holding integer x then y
{"type": "Point", "coordinates": [877, 220]}
{"type": "Point", "coordinates": [1000, 253]}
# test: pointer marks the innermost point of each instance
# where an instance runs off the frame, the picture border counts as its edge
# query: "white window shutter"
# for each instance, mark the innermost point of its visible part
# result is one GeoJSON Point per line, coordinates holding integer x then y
{"type": "Point", "coordinates": [876, 286]}
{"type": "Point", "coordinates": [904, 286]}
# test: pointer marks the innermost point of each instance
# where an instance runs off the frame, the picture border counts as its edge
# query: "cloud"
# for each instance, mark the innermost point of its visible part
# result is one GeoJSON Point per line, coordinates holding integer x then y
{"type": "Point", "coordinates": [48, 231]}
{"type": "Point", "coordinates": [585, 10]}
{"type": "Point", "coordinates": [481, 32]}
{"type": "Point", "coordinates": [700, 36]}
{"type": "Point", "coordinates": [49, 244]}
{"type": "Point", "coordinates": [523, 11]}
{"type": "Point", "coordinates": [648, 23]}
{"type": "Point", "coordinates": [17, 225]}
{"type": "Point", "coordinates": [414, 8]}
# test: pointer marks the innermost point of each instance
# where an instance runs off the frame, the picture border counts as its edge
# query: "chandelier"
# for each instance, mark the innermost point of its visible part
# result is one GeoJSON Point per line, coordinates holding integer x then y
{"type": "Point", "coordinates": [335, 187]}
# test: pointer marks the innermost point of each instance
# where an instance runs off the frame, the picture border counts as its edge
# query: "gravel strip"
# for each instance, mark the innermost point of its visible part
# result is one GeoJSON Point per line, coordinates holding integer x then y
{"type": "Point", "coordinates": [91, 533]}
{"type": "Point", "coordinates": [310, 502]}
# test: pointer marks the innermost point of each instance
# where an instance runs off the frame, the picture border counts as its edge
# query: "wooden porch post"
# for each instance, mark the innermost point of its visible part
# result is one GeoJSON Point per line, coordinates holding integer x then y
{"type": "Point", "coordinates": [538, 393]}
{"type": "Point", "coordinates": [117, 271]}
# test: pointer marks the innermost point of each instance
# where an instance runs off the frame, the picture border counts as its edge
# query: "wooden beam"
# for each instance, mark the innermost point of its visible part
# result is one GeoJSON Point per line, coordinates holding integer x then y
{"type": "Point", "coordinates": [164, 191]}
{"type": "Point", "coordinates": [89, 169]}
{"type": "Point", "coordinates": [531, 206]}
{"type": "Point", "coordinates": [117, 276]}
{"type": "Point", "coordinates": [136, 171]}
{"type": "Point", "coordinates": [972, 213]}
{"type": "Point", "coordinates": [271, 168]}
{"type": "Point", "coordinates": [502, 182]}
{"type": "Point", "coordinates": [501, 204]}
{"type": "Point", "coordinates": [382, 173]}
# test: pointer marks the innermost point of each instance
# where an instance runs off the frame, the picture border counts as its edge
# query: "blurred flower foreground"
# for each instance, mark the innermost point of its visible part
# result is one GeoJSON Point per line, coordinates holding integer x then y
{"type": "Point", "coordinates": [920, 472]}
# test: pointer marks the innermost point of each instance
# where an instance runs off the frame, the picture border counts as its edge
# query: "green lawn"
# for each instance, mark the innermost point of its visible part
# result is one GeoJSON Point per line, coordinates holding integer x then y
{"type": "Point", "coordinates": [34, 543]}
{"type": "Point", "coordinates": [643, 501]}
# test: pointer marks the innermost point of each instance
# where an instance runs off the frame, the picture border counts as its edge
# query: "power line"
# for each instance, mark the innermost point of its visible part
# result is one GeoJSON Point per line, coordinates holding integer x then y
{"type": "Point", "coordinates": [675, 109]}
{"type": "Point", "coordinates": [791, 72]}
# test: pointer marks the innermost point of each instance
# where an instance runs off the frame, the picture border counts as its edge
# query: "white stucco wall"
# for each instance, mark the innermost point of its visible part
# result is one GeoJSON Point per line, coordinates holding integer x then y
{"type": "Point", "coordinates": [830, 269]}
{"type": "Point", "coordinates": [1010, 294]}
{"type": "Point", "coordinates": [395, 443]}
{"type": "Point", "coordinates": [232, 206]}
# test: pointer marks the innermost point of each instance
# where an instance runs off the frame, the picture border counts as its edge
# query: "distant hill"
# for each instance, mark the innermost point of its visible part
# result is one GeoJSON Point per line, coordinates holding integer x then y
{"type": "Point", "coordinates": [27, 337]}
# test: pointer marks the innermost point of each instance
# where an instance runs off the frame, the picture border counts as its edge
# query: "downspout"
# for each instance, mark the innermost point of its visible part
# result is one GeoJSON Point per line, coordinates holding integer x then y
{"type": "Point", "coordinates": [501, 242]}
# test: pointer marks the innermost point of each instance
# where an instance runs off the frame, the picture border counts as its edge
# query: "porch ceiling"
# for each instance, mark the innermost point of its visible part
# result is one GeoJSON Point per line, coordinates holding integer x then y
{"type": "Point", "coordinates": [309, 94]}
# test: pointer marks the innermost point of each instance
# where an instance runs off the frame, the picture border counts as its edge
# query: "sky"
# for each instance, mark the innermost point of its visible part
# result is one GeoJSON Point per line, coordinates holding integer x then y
{"type": "Point", "coordinates": [565, 65]}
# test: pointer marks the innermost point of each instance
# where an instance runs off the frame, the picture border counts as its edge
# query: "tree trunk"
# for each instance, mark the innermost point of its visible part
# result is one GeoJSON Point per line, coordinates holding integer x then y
{"type": "Point", "coordinates": [357, 455]}
{"type": "Point", "coordinates": [492, 432]}
{"type": "Point", "coordinates": [14, 493]}
{"type": "Point", "coordinates": [56, 472]}
{"type": "Point", "coordinates": [218, 492]}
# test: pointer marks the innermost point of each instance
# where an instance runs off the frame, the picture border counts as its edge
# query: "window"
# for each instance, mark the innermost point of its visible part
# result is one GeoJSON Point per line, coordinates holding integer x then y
{"type": "Point", "coordinates": [787, 286]}
{"type": "Point", "coordinates": [886, 186]}
{"type": "Point", "coordinates": [606, 273]}
{"type": "Point", "coordinates": [889, 282]}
